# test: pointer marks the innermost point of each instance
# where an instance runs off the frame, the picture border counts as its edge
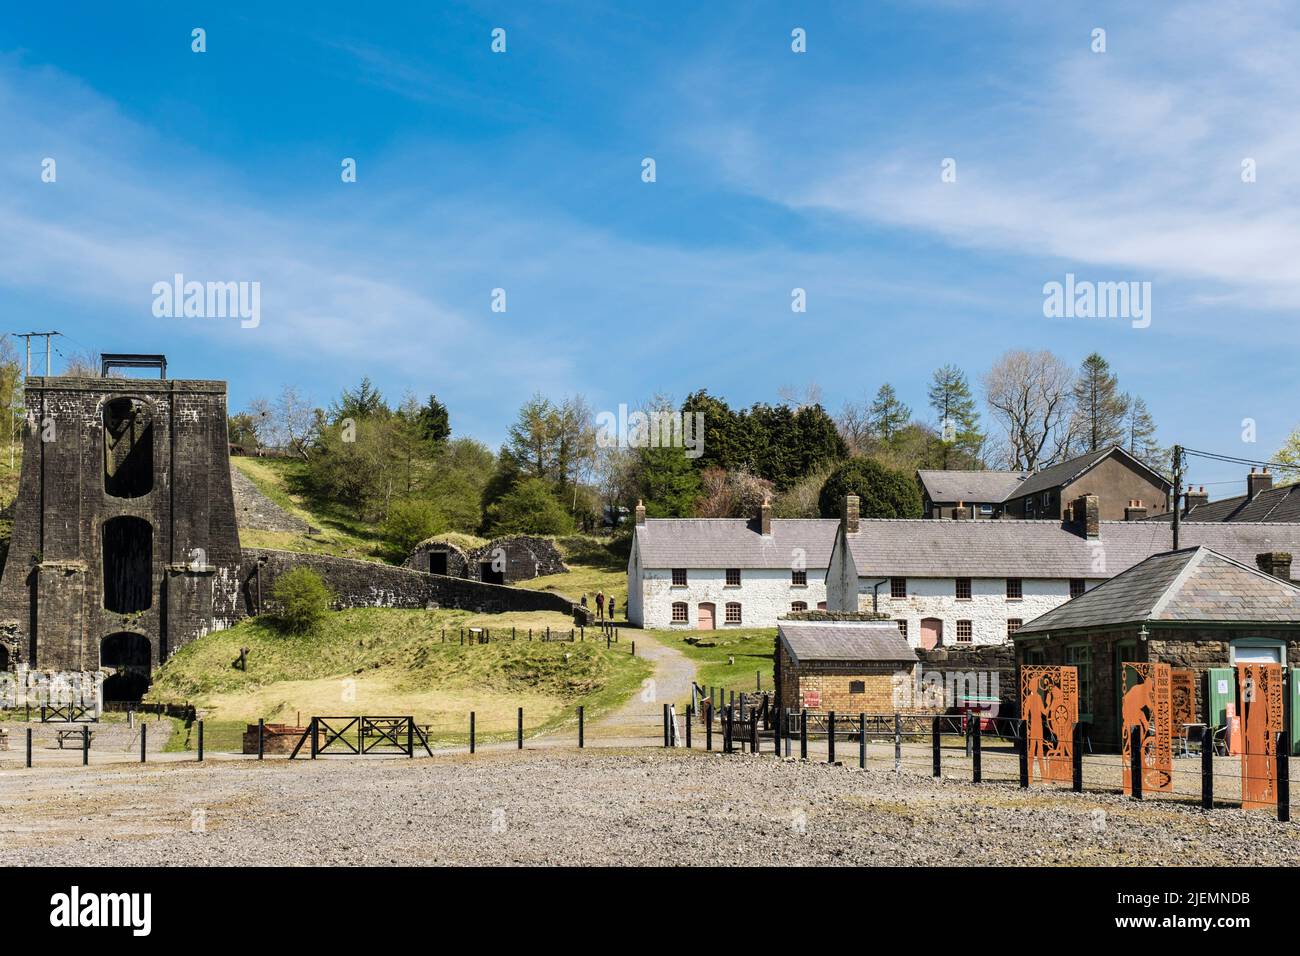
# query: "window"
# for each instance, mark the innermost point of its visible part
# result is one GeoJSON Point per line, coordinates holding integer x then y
{"type": "Point", "coordinates": [798, 607]}
{"type": "Point", "coordinates": [1256, 650]}
{"type": "Point", "coordinates": [679, 612]}
{"type": "Point", "coordinates": [963, 589]}
{"type": "Point", "coordinates": [1080, 655]}
{"type": "Point", "coordinates": [965, 631]}
{"type": "Point", "coordinates": [799, 578]}
{"type": "Point", "coordinates": [1014, 624]}
{"type": "Point", "coordinates": [857, 687]}
{"type": "Point", "coordinates": [733, 577]}
{"type": "Point", "coordinates": [1037, 656]}
{"type": "Point", "coordinates": [679, 577]}
{"type": "Point", "coordinates": [902, 629]}
{"type": "Point", "coordinates": [1047, 500]}
{"type": "Point", "coordinates": [1015, 589]}
{"type": "Point", "coordinates": [898, 587]}
{"type": "Point", "coordinates": [986, 509]}
{"type": "Point", "coordinates": [1077, 587]}
{"type": "Point", "coordinates": [733, 612]}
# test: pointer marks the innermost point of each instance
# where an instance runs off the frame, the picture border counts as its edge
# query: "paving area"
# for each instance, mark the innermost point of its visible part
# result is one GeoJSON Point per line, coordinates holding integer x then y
{"type": "Point", "coordinates": [569, 807]}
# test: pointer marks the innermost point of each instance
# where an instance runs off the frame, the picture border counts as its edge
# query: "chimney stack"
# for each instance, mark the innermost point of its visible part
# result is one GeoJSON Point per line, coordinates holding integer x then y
{"type": "Point", "coordinates": [1257, 482]}
{"type": "Point", "coordinates": [850, 515]}
{"type": "Point", "coordinates": [1135, 510]}
{"type": "Point", "coordinates": [1087, 514]}
{"type": "Point", "coordinates": [961, 512]}
{"type": "Point", "coordinates": [765, 516]}
{"type": "Point", "coordinates": [1276, 563]}
{"type": "Point", "coordinates": [640, 513]}
{"type": "Point", "coordinates": [1195, 498]}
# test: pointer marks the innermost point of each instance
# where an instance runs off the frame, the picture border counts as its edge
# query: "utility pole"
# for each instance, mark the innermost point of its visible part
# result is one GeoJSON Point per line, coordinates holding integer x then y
{"type": "Point", "coordinates": [1178, 489]}
{"type": "Point", "coordinates": [27, 338]}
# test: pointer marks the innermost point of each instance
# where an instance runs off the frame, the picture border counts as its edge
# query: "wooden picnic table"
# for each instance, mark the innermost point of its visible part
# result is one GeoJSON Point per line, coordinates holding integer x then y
{"type": "Point", "coordinates": [64, 736]}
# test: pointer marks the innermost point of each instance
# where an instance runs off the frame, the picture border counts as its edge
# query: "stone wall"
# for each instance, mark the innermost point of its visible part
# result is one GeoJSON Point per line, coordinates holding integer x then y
{"type": "Point", "coordinates": [370, 584]}
{"type": "Point", "coordinates": [822, 686]}
{"type": "Point", "coordinates": [255, 511]}
{"type": "Point", "coordinates": [514, 558]}
{"type": "Point", "coordinates": [988, 662]}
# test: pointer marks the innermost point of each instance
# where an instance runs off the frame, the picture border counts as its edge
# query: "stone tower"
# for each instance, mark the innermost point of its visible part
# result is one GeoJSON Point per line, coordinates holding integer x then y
{"type": "Point", "coordinates": [124, 543]}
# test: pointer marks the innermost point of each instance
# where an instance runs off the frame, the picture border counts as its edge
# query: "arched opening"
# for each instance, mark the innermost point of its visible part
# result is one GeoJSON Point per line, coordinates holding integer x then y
{"type": "Point", "coordinates": [931, 633]}
{"type": "Point", "coordinates": [4, 658]}
{"type": "Point", "coordinates": [129, 657]}
{"type": "Point", "coordinates": [128, 448]}
{"type": "Point", "coordinates": [128, 565]}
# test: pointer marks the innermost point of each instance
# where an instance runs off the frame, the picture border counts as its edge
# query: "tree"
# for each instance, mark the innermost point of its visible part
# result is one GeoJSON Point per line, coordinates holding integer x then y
{"type": "Point", "coordinates": [727, 439]}
{"type": "Point", "coordinates": [530, 507]}
{"type": "Point", "coordinates": [887, 414]}
{"type": "Point", "coordinates": [1100, 409]}
{"type": "Point", "coordinates": [1140, 435]}
{"type": "Point", "coordinates": [1289, 457]}
{"type": "Point", "coordinates": [409, 522]}
{"type": "Point", "coordinates": [364, 401]}
{"type": "Point", "coordinates": [731, 494]}
{"type": "Point", "coordinates": [961, 440]}
{"type": "Point", "coordinates": [433, 421]}
{"type": "Point", "coordinates": [882, 492]}
{"type": "Point", "coordinates": [1030, 395]}
{"type": "Point", "coordinates": [854, 426]}
{"type": "Point", "coordinates": [293, 421]}
{"type": "Point", "coordinates": [302, 600]}
{"type": "Point", "coordinates": [242, 430]}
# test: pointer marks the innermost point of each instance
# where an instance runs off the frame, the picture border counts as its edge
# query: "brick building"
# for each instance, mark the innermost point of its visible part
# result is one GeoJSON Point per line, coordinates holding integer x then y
{"type": "Point", "coordinates": [124, 542]}
{"type": "Point", "coordinates": [1194, 609]}
{"type": "Point", "coordinates": [849, 667]}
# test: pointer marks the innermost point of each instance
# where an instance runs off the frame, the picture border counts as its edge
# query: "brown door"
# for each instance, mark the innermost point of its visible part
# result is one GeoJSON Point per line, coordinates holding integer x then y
{"type": "Point", "coordinates": [705, 617]}
{"type": "Point", "coordinates": [931, 632]}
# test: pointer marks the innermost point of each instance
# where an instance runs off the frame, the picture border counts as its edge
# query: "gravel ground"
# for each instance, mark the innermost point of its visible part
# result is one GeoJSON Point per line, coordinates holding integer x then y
{"type": "Point", "coordinates": [593, 807]}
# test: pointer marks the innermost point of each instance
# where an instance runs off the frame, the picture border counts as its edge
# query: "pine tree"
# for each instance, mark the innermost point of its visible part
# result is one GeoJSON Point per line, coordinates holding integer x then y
{"type": "Point", "coordinates": [1100, 409]}
{"type": "Point", "coordinates": [888, 415]}
{"type": "Point", "coordinates": [960, 436]}
{"type": "Point", "coordinates": [1140, 434]}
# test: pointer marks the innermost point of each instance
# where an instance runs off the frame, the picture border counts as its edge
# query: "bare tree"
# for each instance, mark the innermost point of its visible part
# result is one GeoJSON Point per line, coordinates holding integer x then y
{"type": "Point", "coordinates": [294, 420]}
{"type": "Point", "coordinates": [796, 397]}
{"type": "Point", "coordinates": [854, 424]}
{"type": "Point", "coordinates": [1030, 394]}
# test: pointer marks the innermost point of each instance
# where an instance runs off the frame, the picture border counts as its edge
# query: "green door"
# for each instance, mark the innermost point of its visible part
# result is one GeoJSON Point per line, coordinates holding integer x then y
{"type": "Point", "coordinates": [1223, 691]}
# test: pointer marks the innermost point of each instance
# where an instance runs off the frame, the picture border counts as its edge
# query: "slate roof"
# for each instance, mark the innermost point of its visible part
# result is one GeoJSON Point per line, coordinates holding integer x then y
{"type": "Point", "coordinates": [1068, 471]}
{"type": "Point", "coordinates": [969, 486]}
{"type": "Point", "coordinates": [1188, 585]}
{"type": "Point", "coordinates": [943, 548]}
{"type": "Point", "coordinates": [1276, 504]}
{"type": "Point", "coordinates": [844, 641]}
{"type": "Point", "coordinates": [734, 542]}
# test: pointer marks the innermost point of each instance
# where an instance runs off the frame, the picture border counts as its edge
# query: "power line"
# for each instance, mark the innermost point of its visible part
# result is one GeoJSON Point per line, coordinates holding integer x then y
{"type": "Point", "coordinates": [1231, 459]}
{"type": "Point", "coordinates": [27, 339]}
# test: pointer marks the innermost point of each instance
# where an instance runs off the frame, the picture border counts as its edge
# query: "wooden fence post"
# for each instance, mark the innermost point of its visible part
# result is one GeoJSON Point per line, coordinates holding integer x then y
{"type": "Point", "coordinates": [708, 726]}
{"type": "Point", "coordinates": [85, 746]}
{"type": "Point", "coordinates": [29, 746]}
{"type": "Point", "coordinates": [144, 737]}
{"type": "Point", "coordinates": [261, 737]}
{"type": "Point", "coordinates": [690, 717]}
{"type": "Point", "coordinates": [1135, 762]}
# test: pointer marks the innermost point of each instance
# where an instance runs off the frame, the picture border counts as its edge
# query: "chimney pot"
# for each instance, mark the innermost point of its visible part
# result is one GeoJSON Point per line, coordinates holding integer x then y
{"type": "Point", "coordinates": [961, 512]}
{"type": "Point", "coordinates": [765, 517]}
{"type": "Point", "coordinates": [1257, 482]}
{"type": "Point", "coordinates": [1087, 514]}
{"type": "Point", "coordinates": [1195, 498]}
{"type": "Point", "coordinates": [640, 512]}
{"type": "Point", "coordinates": [1135, 510]}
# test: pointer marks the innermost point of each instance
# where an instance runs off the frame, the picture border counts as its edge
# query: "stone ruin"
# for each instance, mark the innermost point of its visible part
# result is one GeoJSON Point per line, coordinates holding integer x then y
{"type": "Point", "coordinates": [504, 560]}
{"type": "Point", "coordinates": [124, 544]}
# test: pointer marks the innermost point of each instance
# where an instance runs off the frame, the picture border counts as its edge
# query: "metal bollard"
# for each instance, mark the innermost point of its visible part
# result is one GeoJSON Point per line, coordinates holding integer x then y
{"type": "Point", "coordinates": [1135, 763]}
{"type": "Point", "coordinates": [1207, 769]}
{"type": "Point", "coordinates": [1076, 783]}
{"type": "Point", "coordinates": [803, 734]}
{"type": "Point", "coordinates": [862, 741]}
{"type": "Point", "coordinates": [830, 736]}
{"type": "Point", "coordinates": [519, 732]}
{"type": "Point", "coordinates": [708, 726]}
{"type": "Point", "coordinates": [144, 734]}
{"type": "Point", "coordinates": [1022, 751]}
{"type": "Point", "coordinates": [936, 753]}
{"type": "Point", "coordinates": [472, 742]}
{"type": "Point", "coordinates": [581, 739]}
{"type": "Point", "coordinates": [977, 768]}
{"type": "Point", "coordinates": [1283, 776]}
{"type": "Point", "coordinates": [690, 718]}
{"type": "Point", "coordinates": [29, 746]}
{"type": "Point", "coordinates": [898, 743]}
{"type": "Point", "coordinates": [200, 741]}
{"type": "Point", "coordinates": [261, 737]}
{"type": "Point", "coordinates": [85, 746]}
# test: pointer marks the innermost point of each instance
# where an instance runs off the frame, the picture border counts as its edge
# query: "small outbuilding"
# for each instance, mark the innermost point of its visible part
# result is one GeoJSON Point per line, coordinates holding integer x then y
{"type": "Point", "coordinates": [1195, 609]}
{"type": "Point", "coordinates": [504, 560]}
{"type": "Point", "coordinates": [848, 666]}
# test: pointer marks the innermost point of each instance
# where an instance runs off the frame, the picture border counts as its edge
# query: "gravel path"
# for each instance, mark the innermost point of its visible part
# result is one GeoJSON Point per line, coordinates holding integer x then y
{"type": "Point", "coordinates": [557, 806]}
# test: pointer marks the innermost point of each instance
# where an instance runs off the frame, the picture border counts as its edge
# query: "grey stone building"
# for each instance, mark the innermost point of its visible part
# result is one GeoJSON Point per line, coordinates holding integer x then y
{"type": "Point", "coordinates": [124, 542]}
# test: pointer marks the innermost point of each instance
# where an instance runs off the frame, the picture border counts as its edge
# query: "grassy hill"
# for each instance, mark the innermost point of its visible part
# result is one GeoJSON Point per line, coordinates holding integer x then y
{"type": "Point", "coordinates": [393, 662]}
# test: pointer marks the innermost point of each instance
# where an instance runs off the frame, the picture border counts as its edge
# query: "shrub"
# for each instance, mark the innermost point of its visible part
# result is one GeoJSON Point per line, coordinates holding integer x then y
{"type": "Point", "coordinates": [408, 523]}
{"type": "Point", "coordinates": [303, 600]}
{"type": "Point", "coordinates": [529, 508]}
{"type": "Point", "coordinates": [883, 493]}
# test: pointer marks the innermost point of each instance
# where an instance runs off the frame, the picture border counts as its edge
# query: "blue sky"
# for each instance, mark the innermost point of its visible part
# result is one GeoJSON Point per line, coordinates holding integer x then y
{"type": "Point", "coordinates": [775, 170]}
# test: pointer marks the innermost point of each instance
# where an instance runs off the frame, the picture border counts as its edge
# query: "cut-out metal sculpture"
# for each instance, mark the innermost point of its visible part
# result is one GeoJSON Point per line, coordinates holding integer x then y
{"type": "Point", "coordinates": [1049, 704]}
{"type": "Point", "coordinates": [1148, 706]}
{"type": "Point", "coordinates": [1183, 685]}
{"type": "Point", "coordinates": [1260, 689]}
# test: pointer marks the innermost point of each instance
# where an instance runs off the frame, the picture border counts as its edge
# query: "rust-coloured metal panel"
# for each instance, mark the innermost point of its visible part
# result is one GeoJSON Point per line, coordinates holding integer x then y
{"type": "Point", "coordinates": [1148, 705]}
{"type": "Point", "coordinates": [1049, 704]}
{"type": "Point", "coordinates": [1260, 691]}
{"type": "Point", "coordinates": [1183, 685]}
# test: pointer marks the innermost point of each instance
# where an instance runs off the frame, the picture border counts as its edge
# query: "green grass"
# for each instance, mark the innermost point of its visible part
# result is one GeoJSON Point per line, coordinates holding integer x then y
{"type": "Point", "coordinates": [595, 566]}
{"type": "Point", "coordinates": [342, 533]}
{"type": "Point", "coordinates": [382, 661]}
{"type": "Point", "coordinates": [712, 651]}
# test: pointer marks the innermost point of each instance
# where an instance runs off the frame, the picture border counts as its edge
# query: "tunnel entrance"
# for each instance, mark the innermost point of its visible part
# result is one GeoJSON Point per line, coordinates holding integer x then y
{"type": "Point", "coordinates": [437, 562]}
{"type": "Point", "coordinates": [128, 448]}
{"type": "Point", "coordinates": [128, 565]}
{"type": "Point", "coordinates": [129, 657]}
{"type": "Point", "coordinates": [488, 575]}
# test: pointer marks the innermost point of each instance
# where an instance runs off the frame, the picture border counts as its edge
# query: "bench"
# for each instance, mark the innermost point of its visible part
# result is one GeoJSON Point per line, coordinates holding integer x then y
{"type": "Point", "coordinates": [75, 736]}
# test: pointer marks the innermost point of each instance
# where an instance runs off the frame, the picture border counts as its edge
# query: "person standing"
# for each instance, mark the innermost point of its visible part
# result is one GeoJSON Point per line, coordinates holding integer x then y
{"type": "Point", "coordinates": [600, 605]}
{"type": "Point", "coordinates": [611, 607]}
